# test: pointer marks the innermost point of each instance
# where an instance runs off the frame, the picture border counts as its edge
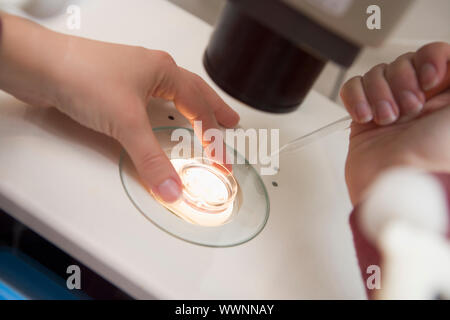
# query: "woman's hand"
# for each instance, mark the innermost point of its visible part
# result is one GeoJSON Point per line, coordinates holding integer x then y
{"type": "Point", "coordinates": [395, 91]}
{"type": "Point", "coordinates": [106, 87]}
{"type": "Point", "coordinates": [421, 137]}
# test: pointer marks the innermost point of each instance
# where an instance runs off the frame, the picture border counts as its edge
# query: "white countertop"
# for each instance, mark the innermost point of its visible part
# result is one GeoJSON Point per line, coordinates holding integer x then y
{"type": "Point", "coordinates": [62, 180]}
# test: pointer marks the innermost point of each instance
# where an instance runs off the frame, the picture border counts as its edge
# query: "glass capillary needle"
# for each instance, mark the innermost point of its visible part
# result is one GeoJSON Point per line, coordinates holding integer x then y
{"type": "Point", "coordinates": [296, 144]}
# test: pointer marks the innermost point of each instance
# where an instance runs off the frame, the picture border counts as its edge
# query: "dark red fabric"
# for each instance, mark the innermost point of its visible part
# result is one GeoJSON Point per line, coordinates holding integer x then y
{"type": "Point", "coordinates": [367, 253]}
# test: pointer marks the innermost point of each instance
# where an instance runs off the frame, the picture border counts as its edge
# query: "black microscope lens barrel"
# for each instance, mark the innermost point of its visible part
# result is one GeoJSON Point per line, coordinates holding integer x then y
{"type": "Point", "coordinates": [257, 66]}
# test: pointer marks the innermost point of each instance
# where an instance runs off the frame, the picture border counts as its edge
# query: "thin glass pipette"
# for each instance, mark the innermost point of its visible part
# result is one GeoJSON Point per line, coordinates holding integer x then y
{"type": "Point", "coordinates": [296, 144]}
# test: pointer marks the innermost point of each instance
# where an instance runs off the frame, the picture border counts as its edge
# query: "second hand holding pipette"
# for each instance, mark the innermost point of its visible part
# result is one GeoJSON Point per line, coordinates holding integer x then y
{"type": "Point", "coordinates": [345, 122]}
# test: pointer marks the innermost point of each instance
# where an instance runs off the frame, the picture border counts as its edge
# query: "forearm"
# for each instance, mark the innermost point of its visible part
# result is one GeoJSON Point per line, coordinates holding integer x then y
{"type": "Point", "coordinates": [29, 55]}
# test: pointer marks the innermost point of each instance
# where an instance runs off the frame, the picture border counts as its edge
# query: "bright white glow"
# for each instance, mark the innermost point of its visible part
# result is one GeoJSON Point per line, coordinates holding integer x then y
{"type": "Point", "coordinates": [204, 187]}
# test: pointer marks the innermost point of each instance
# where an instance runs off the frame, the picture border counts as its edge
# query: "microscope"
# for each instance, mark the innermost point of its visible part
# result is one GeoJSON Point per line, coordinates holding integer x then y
{"type": "Point", "coordinates": [268, 53]}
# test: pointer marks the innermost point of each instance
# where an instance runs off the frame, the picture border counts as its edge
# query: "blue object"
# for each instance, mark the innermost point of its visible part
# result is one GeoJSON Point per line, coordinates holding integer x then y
{"type": "Point", "coordinates": [22, 278]}
{"type": "Point", "coordinates": [7, 293]}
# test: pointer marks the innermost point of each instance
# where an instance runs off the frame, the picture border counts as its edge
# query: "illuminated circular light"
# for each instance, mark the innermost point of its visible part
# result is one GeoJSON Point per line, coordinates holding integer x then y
{"type": "Point", "coordinates": [206, 187]}
{"type": "Point", "coordinates": [244, 215]}
{"type": "Point", "coordinates": [209, 191]}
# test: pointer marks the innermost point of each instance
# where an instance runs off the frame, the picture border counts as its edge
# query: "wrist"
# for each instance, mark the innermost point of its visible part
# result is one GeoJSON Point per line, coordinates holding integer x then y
{"type": "Point", "coordinates": [28, 66]}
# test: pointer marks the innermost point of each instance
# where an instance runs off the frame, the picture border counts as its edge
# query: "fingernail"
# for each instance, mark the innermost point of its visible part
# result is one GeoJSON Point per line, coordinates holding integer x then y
{"type": "Point", "coordinates": [410, 103]}
{"type": "Point", "coordinates": [169, 190]}
{"type": "Point", "coordinates": [363, 112]}
{"type": "Point", "coordinates": [428, 76]}
{"type": "Point", "coordinates": [385, 113]}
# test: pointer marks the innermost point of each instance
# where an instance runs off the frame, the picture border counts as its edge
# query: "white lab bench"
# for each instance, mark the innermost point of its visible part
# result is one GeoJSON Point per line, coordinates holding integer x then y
{"type": "Point", "coordinates": [62, 180]}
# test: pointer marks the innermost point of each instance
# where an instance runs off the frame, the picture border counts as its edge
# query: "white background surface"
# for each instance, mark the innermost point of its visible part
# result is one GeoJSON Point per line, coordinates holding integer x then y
{"type": "Point", "coordinates": [63, 181]}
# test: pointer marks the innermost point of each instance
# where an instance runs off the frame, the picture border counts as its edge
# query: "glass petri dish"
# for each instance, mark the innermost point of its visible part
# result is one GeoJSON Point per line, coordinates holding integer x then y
{"type": "Point", "coordinates": [209, 192]}
{"type": "Point", "coordinates": [238, 204]}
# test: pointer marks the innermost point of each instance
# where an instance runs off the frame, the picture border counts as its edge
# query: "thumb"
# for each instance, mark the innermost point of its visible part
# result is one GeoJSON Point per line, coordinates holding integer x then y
{"type": "Point", "coordinates": [151, 162]}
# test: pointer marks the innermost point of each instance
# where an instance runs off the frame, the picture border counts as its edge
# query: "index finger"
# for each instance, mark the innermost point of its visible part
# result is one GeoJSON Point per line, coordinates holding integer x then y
{"type": "Point", "coordinates": [198, 102]}
{"type": "Point", "coordinates": [431, 63]}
